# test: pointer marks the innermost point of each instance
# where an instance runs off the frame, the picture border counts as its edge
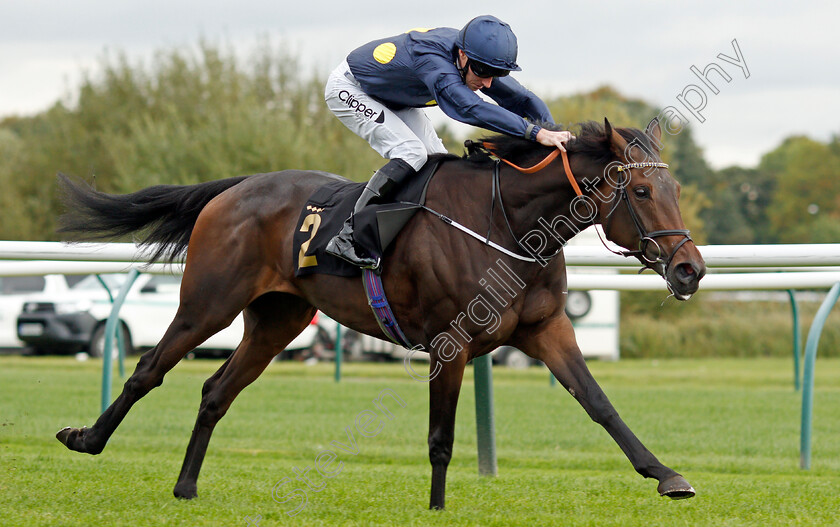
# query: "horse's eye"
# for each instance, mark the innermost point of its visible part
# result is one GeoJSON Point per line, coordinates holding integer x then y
{"type": "Point", "coordinates": [641, 192]}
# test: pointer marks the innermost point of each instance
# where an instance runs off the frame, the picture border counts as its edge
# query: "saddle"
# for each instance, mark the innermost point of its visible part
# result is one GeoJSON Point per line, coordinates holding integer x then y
{"type": "Point", "coordinates": [375, 227]}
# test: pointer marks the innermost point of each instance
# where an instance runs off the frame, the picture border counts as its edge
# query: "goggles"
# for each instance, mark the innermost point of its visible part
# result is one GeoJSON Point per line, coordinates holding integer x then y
{"type": "Point", "coordinates": [485, 71]}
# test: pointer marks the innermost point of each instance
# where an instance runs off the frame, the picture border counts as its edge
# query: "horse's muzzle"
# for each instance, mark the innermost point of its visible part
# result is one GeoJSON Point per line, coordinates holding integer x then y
{"type": "Point", "coordinates": [683, 278]}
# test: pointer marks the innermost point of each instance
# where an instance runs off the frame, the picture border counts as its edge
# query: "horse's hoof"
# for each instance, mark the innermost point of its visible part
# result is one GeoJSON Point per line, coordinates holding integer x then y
{"type": "Point", "coordinates": [63, 434]}
{"type": "Point", "coordinates": [185, 491]}
{"type": "Point", "coordinates": [676, 488]}
{"type": "Point", "coordinates": [78, 440]}
{"type": "Point", "coordinates": [69, 437]}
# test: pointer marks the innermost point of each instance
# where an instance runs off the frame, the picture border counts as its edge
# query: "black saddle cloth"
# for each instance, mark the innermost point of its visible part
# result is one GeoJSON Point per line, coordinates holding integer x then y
{"type": "Point", "coordinates": [375, 227]}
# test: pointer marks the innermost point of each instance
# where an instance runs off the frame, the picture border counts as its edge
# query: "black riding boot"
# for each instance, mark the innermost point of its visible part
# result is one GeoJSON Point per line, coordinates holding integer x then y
{"type": "Point", "coordinates": [381, 187]}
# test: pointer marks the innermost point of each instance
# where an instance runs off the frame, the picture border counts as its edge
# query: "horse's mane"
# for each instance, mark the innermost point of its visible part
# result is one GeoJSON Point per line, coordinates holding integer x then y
{"type": "Point", "coordinates": [590, 140]}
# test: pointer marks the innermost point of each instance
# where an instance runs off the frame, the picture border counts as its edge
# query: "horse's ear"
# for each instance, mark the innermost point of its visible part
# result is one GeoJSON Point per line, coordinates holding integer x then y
{"type": "Point", "coordinates": [617, 143]}
{"type": "Point", "coordinates": [654, 132]}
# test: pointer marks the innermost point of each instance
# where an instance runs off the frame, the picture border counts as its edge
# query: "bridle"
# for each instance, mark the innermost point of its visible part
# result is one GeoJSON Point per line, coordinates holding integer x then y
{"type": "Point", "coordinates": [645, 237]}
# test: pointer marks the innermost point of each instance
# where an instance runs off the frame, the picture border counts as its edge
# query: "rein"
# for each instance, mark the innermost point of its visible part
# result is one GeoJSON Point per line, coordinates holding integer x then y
{"type": "Point", "coordinates": [645, 237]}
{"type": "Point", "coordinates": [542, 164]}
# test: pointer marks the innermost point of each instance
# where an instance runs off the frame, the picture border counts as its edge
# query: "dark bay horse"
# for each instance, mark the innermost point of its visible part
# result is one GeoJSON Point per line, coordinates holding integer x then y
{"type": "Point", "coordinates": [237, 234]}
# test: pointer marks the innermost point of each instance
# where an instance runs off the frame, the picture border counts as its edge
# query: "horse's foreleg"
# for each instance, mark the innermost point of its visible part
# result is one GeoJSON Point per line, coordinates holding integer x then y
{"type": "Point", "coordinates": [268, 329]}
{"type": "Point", "coordinates": [443, 401]}
{"type": "Point", "coordinates": [555, 345]}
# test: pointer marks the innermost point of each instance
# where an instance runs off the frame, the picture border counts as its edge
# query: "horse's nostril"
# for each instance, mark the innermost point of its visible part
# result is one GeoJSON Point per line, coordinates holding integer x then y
{"type": "Point", "coordinates": [686, 273]}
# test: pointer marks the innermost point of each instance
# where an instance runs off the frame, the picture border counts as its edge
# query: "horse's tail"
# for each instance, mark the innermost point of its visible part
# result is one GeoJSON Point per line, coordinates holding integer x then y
{"type": "Point", "coordinates": [166, 213]}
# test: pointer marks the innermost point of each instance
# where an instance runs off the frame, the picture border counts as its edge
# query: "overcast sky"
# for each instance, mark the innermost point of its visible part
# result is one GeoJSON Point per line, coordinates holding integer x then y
{"type": "Point", "coordinates": [645, 49]}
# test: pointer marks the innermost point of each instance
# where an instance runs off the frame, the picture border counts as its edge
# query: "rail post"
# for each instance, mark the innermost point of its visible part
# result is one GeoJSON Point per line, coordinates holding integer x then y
{"type": "Point", "coordinates": [339, 351]}
{"type": "Point", "coordinates": [120, 341]}
{"type": "Point", "coordinates": [797, 339]}
{"type": "Point", "coordinates": [808, 375]}
{"type": "Point", "coordinates": [484, 415]}
{"type": "Point", "coordinates": [110, 330]}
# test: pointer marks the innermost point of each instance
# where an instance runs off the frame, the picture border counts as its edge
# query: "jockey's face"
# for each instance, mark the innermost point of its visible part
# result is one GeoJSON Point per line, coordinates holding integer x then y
{"type": "Point", "coordinates": [473, 81]}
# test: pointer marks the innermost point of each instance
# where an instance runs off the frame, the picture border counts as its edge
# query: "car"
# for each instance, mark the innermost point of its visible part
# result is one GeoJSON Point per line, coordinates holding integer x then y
{"type": "Point", "coordinates": [15, 290]}
{"type": "Point", "coordinates": [74, 321]}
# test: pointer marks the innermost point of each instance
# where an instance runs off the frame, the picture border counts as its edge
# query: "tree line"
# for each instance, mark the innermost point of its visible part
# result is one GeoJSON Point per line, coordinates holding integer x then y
{"type": "Point", "coordinates": [197, 115]}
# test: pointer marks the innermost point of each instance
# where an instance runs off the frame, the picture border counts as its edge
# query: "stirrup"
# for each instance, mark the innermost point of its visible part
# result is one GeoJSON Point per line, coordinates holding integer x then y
{"type": "Point", "coordinates": [376, 267]}
{"type": "Point", "coordinates": [361, 263]}
{"type": "Point", "coordinates": [348, 253]}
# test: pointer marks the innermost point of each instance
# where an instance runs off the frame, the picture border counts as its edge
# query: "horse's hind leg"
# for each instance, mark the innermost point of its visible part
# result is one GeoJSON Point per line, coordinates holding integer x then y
{"type": "Point", "coordinates": [271, 322]}
{"type": "Point", "coordinates": [196, 321]}
{"type": "Point", "coordinates": [554, 343]}
{"type": "Point", "coordinates": [183, 335]}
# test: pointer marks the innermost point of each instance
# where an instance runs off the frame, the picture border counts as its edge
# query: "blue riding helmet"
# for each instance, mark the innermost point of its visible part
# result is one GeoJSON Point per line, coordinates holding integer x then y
{"type": "Point", "coordinates": [488, 40]}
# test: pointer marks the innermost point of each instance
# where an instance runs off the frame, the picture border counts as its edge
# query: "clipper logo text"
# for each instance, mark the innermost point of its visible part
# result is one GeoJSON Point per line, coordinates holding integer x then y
{"type": "Point", "coordinates": [360, 108]}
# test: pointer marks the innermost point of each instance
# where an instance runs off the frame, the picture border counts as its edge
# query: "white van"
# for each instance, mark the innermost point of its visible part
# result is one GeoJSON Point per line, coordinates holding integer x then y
{"type": "Point", "coordinates": [74, 320]}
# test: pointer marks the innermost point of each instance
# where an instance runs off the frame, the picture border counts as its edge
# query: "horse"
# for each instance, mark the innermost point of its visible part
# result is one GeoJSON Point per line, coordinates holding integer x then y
{"type": "Point", "coordinates": [237, 236]}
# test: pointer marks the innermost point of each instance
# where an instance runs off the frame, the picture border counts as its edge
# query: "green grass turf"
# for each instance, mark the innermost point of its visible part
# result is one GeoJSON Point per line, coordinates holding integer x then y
{"type": "Point", "coordinates": [730, 426]}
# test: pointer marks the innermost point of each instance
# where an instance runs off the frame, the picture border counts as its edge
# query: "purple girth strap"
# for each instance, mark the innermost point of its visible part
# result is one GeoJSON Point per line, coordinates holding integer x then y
{"type": "Point", "coordinates": [381, 309]}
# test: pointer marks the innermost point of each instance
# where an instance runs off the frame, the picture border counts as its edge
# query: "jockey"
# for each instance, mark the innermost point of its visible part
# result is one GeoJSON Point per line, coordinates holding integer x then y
{"type": "Point", "coordinates": [379, 91]}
